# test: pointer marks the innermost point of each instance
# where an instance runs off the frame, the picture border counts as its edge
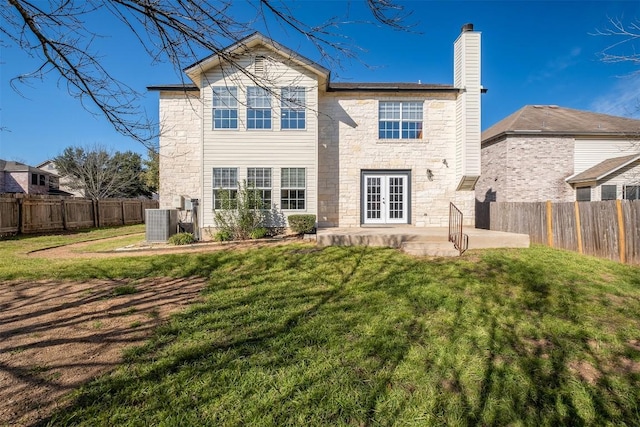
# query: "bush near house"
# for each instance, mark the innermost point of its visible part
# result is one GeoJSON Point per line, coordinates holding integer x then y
{"type": "Point", "coordinates": [302, 224]}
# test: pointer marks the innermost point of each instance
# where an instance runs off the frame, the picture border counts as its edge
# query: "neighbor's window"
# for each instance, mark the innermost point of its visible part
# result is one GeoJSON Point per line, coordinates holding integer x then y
{"type": "Point", "coordinates": [43, 180]}
{"type": "Point", "coordinates": [632, 192]}
{"type": "Point", "coordinates": [225, 187]}
{"type": "Point", "coordinates": [399, 120]}
{"type": "Point", "coordinates": [225, 107]}
{"type": "Point", "coordinates": [292, 188]}
{"type": "Point", "coordinates": [293, 108]}
{"type": "Point", "coordinates": [608, 192]}
{"type": "Point", "coordinates": [34, 179]}
{"type": "Point", "coordinates": [260, 180]}
{"type": "Point", "coordinates": [583, 194]}
{"type": "Point", "coordinates": [258, 108]}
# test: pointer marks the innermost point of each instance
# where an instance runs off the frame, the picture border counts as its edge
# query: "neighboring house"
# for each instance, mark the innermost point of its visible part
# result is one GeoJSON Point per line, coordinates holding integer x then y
{"type": "Point", "coordinates": [63, 182]}
{"type": "Point", "coordinates": [545, 152]}
{"type": "Point", "coordinates": [16, 177]}
{"type": "Point", "coordinates": [352, 154]}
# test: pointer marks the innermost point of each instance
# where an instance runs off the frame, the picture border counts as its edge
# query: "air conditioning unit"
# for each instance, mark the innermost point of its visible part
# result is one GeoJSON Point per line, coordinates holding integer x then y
{"type": "Point", "coordinates": [178, 202]}
{"type": "Point", "coordinates": [160, 224]}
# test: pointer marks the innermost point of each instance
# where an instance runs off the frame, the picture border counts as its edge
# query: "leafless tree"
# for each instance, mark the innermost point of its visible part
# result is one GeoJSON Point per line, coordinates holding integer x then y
{"type": "Point", "coordinates": [626, 43]}
{"type": "Point", "coordinates": [100, 174]}
{"type": "Point", "coordinates": [58, 33]}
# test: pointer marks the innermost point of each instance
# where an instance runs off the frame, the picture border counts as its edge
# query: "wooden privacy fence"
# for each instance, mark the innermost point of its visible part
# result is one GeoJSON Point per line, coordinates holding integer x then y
{"type": "Point", "coordinates": [608, 229]}
{"type": "Point", "coordinates": [41, 214]}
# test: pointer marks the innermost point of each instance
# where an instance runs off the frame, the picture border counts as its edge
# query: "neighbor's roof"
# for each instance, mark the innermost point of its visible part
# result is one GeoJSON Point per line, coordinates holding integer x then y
{"type": "Point", "coordinates": [551, 119]}
{"type": "Point", "coordinates": [11, 166]}
{"type": "Point", "coordinates": [603, 169]}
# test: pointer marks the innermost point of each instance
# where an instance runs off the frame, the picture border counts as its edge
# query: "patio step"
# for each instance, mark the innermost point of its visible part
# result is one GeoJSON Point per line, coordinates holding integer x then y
{"type": "Point", "coordinates": [430, 248]}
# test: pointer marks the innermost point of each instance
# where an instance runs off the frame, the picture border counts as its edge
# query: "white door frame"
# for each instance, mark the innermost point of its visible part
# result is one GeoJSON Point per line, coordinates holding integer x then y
{"type": "Point", "coordinates": [382, 193]}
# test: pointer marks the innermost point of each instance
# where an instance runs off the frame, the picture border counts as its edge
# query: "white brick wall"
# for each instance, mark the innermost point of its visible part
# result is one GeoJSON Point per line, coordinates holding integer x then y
{"type": "Point", "coordinates": [527, 169]}
{"type": "Point", "coordinates": [348, 143]}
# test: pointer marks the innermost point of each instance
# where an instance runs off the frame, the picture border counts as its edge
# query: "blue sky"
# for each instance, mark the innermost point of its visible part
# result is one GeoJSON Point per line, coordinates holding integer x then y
{"type": "Point", "coordinates": [533, 52]}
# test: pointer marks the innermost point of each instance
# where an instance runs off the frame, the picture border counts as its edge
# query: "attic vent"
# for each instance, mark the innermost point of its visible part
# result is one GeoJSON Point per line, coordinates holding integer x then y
{"type": "Point", "coordinates": [258, 66]}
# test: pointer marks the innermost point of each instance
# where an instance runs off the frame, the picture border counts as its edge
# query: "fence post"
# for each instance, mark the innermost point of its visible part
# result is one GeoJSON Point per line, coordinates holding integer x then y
{"type": "Point", "coordinates": [578, 226]}
{"type": "Point", "coordinates": [122, 208]}
{"type": "Point", "coordinates": [64, 214]}
{"type": "Point", "coordinates": [549, 224]}
{"type": "Point", "coordinates": [622, 244]}
{"type": "Point", "coordinates": [20, 216]}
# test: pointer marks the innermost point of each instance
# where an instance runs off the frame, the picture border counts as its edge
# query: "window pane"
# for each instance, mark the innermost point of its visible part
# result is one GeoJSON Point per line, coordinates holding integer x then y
{"type": "Point", "coordinates": [632, 192]}
{"type": "Point", "coordinates": [225, 107]}
{"type": "Point", "coordinates": [258, 97]}
{"type": "Point", "coordinates": [225, 97]}
{"type": "Point", "coordinates": [389, 110]}
{"type": "Point", "coordinates": [608, 192]}
{"type": "Point", "coordinates": [293, 98]}
{"type": "Point", "coordinates": [583, 194]}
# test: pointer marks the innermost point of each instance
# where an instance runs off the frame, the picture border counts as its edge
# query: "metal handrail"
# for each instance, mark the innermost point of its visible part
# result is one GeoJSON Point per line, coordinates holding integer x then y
{"type": "Point", "coordinates": [456, 236]}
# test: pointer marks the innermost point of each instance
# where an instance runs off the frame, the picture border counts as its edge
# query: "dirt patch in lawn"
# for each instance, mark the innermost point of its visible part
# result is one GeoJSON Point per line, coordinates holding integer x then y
{"type": "Point", "coordinates": [55, 336]}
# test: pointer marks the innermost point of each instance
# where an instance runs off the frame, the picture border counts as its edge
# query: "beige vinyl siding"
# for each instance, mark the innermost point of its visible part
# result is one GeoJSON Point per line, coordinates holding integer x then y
{"type": "Point", "coordinates": [590, 152]}
{"type": "Point", "coordinates": [628, 175]}
{"type": "Point", "coordinates": [467, 77]}
{"type": "Point", "coordinates": [273, 148]}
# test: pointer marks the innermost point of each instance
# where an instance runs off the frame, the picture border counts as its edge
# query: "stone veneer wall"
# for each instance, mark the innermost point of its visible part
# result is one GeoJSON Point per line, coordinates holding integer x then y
{"type": "Point", "coordinates": [527, 169]}
{"type": "Point", "coordinates": [180, 147]}
{"type": "Point", "coordinates": [348, 143]}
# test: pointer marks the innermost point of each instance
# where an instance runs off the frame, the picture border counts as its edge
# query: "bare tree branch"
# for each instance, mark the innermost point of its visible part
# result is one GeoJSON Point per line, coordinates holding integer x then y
{"type": "Point", "coordinates": [176, 31]}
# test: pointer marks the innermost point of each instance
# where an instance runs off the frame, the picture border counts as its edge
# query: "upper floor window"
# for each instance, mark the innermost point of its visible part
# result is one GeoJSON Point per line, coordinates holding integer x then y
{"type": "Point", "coordinates": [632, 192]}
{"type": "Point", "coordinates": [225, 187]}
{"type": "Point", "coordinates": [43, 180]}
{"type": "Point", "coordinates": [293, 108]}
{"type": "Point", "coordinates": [259, 179]}
{"type": "Point", "coordinates": [258, 108]}
{"type": "Point", "coordinates": [608, 192]}
{"type": "Point", "coordinates": [34, 179]}
{"type": "Point", "coordinates": [225, 107]}
{"type": "Point", "coordinates": [292, 188]}
{"type": "Point", "coordinates": [399, 120]}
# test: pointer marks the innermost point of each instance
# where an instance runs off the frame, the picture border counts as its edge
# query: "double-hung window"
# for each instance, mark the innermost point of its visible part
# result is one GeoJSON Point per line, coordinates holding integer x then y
{"type": "Point", "coordinates": [399, 120]}
{"type": "Point", "coordinates": [292, 188]}
{"type": "Point", "coordinates": [293, 108]}
{"type": "Point", "coordinates": [259, 180]}
{"type": "Point", "coordinates": [258, 108]}
{"type": "Point", "coordinates": [34, 179]}
{"type": "Point", "coordinates": [632, 192]}
{"type": "Point", "coordinates": [225, 188]}
{"type": "Point", "coordinates": [225, 107]}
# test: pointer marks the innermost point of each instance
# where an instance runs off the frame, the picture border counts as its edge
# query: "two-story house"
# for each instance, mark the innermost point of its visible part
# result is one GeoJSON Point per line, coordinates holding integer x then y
{"type": "Point", "coordinates": [353, 154]}
{"type": "Point", "coordinates": [546, 152]}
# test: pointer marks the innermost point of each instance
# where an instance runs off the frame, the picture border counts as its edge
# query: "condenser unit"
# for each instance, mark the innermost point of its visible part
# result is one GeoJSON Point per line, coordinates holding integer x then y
{"type": "Point", "coordinates": [160, 224]}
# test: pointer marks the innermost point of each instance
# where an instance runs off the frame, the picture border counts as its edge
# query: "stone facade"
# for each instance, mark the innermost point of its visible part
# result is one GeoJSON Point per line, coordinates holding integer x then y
{"type": "Point", "coordinates": [526, 169]}
{"type": "Point", "coordinates": [180, 147]}
{"type": "Point", "coordinates": [349, 143]}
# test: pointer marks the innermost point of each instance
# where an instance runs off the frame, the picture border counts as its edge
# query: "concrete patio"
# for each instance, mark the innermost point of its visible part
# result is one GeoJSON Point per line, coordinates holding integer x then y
{"type": "Point", "coordinates": [420, 241]}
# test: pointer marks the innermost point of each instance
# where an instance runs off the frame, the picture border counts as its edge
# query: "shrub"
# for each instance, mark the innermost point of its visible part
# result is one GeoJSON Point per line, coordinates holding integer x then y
{"type": "Point", "coordinates": [181, 239]}
{"type": "Point", "coordinates": [239, 215]}
{"type": "Point", "coordinates": [258, 233]}
{"type": "Point", "coordinates": [301, 224]}
{"type": "Point", "coordinates": [222, 236]}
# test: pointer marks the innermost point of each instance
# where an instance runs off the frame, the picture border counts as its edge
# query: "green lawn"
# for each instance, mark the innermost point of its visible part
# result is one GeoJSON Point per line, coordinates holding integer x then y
{"type": "Point", "coordinates": [298, 335]}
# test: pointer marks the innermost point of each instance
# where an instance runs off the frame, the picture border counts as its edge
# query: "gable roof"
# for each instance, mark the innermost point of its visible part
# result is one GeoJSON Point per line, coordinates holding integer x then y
{"type": "Point", "coordinates": [603, 169]}
{"type": "Point", "coordinates": [551, 119]}
{"type": "Point", "coordinates": [257, 39]}
{"type": "Point", "coordinates": [248, 43]}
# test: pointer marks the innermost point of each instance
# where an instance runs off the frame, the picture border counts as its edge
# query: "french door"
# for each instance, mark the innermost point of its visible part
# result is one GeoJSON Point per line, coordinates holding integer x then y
{"type": "Point", "coordinates": [385, 198]}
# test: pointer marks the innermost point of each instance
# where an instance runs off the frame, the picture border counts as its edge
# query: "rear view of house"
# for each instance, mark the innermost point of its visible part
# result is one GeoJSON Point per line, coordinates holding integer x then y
{"type": "Point", "coordinates": [353, 154]}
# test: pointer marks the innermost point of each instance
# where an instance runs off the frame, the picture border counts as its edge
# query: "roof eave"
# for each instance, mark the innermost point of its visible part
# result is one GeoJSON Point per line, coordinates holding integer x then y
{"type": "Point", "coordinates": [535, 132]}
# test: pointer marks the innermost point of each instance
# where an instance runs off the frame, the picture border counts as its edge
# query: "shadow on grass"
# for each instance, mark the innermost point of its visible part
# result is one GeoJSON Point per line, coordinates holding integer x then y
{"type": "Point", "coordinates": [340, 336]}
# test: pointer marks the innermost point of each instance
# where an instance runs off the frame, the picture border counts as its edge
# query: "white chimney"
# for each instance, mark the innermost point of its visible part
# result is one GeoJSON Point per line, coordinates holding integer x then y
{"type": "Point", "coordinates": [466, 77]}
